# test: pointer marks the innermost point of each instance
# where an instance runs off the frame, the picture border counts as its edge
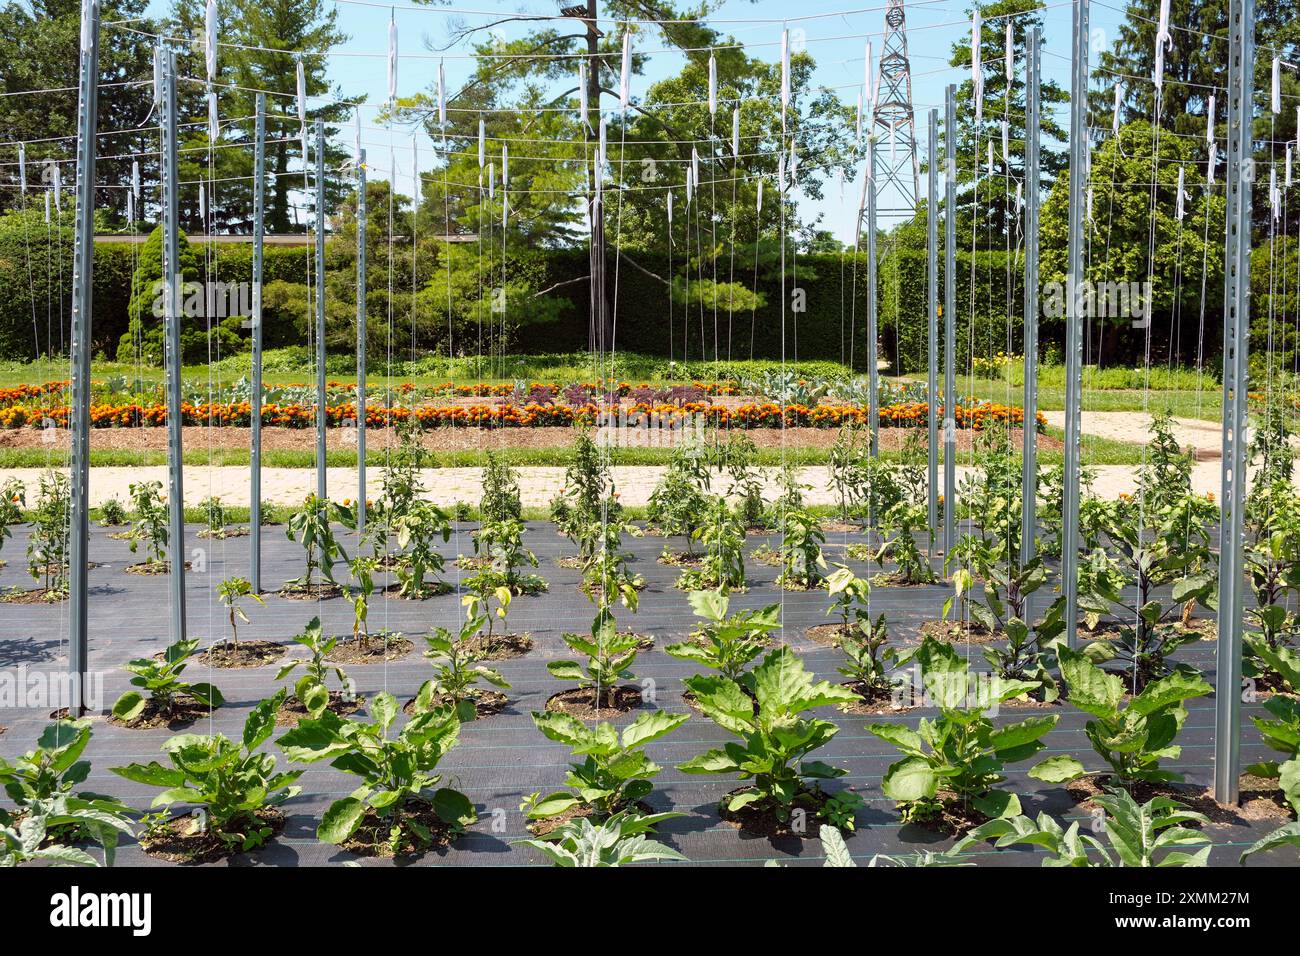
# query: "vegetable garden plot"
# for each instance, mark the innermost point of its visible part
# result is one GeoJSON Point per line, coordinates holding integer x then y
{"type": "Point", "coordinates": [502, 759]}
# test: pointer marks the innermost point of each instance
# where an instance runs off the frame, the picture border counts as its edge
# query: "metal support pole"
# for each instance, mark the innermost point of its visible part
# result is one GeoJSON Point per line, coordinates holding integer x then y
{"type": "Point", "coordinates": [321, 414]}
{"type": "Point", "coordinates": [172, 280]}
{"type": "Point", "coordinates": [255, 474]}
{"type": "Point", "coordinates": [873, 346]}
{"type": "Point", "coordinates": [932, 302]}
{"type": "Point", "coordinates": [1236, 338]}
{"type": "Point", "coordinates": [361, 341]}
{"type": "Point", "coordinates": [1074, 321]}
{"type": "Point", "coordinates": [950, 324]}
{"type": "Point", "coordinates": [1029, 461]}
{"type": "Point", "coordinates": [82, 293]}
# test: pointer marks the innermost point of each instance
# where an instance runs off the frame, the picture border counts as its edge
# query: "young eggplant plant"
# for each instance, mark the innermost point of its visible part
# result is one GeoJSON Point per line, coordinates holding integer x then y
{"type": "Point", "coordinates": [606, 576]}
{"type": "Point", "coordinates": [898, 526]}
{"type": "Point", "coordinates": [149, 522]}
{"type": "Point", "coordinates": [613, 773]}
{"type": "Point", "coordinates": [162, 692]}
{"type": "Point", "coordinates": [231, 593]}
{"type": "Point", "coordinates": [312, 690]}
{"type": "Point", "coordinates": [957, 758]}
{"type": "Point", "coordinates": [765, 709]}
{"type": "Point", "coordinates": [501, 544]}
{"type": "Point", "coordinates": [1272, 556]}
{"type": "Point", "coordinates": [1131, 738]}
{"type": "Point", "coordinates": [457, 672]}
{"type": "Point", "coordinates": [234, 783]}
{"type": "Point", "coordinates": [726, 643]}
{"type": "Point", "coordinates": [802, 563]}
{"type": "Point", "coordinates": [500, 500]}
{"type": "Point", "coordinates": [418, 531]}
{"type": "Point", "coordinates": [1146, 835]}
{"type": "Point", "coordinates": [608, 654]}
{"type": "Point", "coordinates": [1281, 734]}
{"type": "Point", "coordinates": [398, 803]}
{"type": "Point", "coordinates": [619, 840]}
{"type": "Point", "coordinates": [37, 837]}
{"type": "Point", "coordinates": [723, 566]}
{"type": "Point", "coordinates": [310, 527]}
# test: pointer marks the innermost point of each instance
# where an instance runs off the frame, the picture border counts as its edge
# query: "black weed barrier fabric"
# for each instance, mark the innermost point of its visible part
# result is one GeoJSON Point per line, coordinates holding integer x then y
{"type": "Point", "coordinates": [502, 759]}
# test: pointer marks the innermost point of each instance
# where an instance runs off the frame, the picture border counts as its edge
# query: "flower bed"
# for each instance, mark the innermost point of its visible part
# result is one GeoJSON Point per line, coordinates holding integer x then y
{"type": "Point", "coordinates": [974, 415]}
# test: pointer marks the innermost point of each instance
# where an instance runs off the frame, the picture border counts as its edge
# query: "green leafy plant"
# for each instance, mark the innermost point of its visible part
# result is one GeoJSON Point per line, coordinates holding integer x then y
{"type": "Point", "coordinates": [898, 526]}
{"type": "Point", "coordinates": [34, 839]}
{"type": "Point", "coordinates": [1282, 733]}
{"type": "Point", "coordinates": [613, 772]}
{"type": "Point", "coordinates": [312, 689]}
{"type": "Point", "coordinates": [13, 498]}
{"type": "Point", "coordinates": [869, 659]}
{"type": "Point", "coordinates": [112, 513]}
{"type": "Point", "coordinates": [310, 527]}
{"type": "Point", "coordinates": [363, 588]}
{"type": "Point", "coordinates": [214, 514]}
{"type": "Point", "coordinates": [1286, 835]}
{"type": "Point", "coordinates": [1131, 738]}
{"type": "Point", "coordinates": [161, 686]}
{"type": "Point", "coordinates": [501, 542]}
{"type": "Point", "coordinates": [394, 772]}
{"type": "Point", "coordinates": [961, 751]}
{"type": "Point", "coordinates": [608, 658]}
{"type": "Point", "coordinates": [764, 708]}
{"type": "Point", "coordinates": [234, 782]}
{"type": "Point", "coordinates": [606, 575]}
{"type": "Point", "coordinates": [849, 472]}
{"type": "Point", "coordinates": [619, 840]}
{"type": "Point", "coordinates": [723, 564]}
{"type": "Point", "coordinates": [231, 593]}
{"type": "Point", "coordinates": [587, 499]}
{"type": "Point", "coordinates": [455, 664]}
{"type": "Point", "coordinates": [802, 562]}
{"type": "Point", "coordinates": [418, 530]}
{"type": "Point", "coordinates": [1147, 835]}
{"type": "Point", "coordinates": [500, 500]}
{"type": "Point", "coordinates": [48, 543]}
{"type": "Point", "coordinates": [1272, 558]}
{"type": "Point", "coordinates": [680, 496]}
{"type": "Point", "coordinates": [149, 520]}
{"type": "Point", "coordinates": [726, 643]}
{"type": "Point", "coordinates": [1174, 553]}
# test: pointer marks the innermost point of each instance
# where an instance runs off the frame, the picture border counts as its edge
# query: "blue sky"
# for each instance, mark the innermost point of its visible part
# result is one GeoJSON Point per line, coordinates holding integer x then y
{"type": "Point", "coordinates": [834, 38]}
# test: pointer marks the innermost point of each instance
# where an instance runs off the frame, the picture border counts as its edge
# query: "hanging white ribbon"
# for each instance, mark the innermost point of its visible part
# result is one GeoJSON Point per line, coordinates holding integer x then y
{"type": "Point", "coordinates": [130, 208]}
{"type": "Point", "coordinates": [713, 85]}
{"type": "Point", "coordinates": [1277, 86]}
{"type": "Point", "coordinates": [214, 127]}
{"type": "Point", "coordinates": [492, 180]}
{"type": "Point", "coordinates": [442, 96]}
{"type": "Point", "coordinates": [670, 209]}
{"type": "Point", "coordinates": [1011, 56]}
{"type": "Point", "coordinates": [793, 165]}
{"type": "Point", "coordinates": [1020, 195]}
{"type": "Point", "coordinates": [482, 142]}
{"type": "Point", "coordinates": [157, 76]}
{"type": "Point", "coordinates": [603, 149]}
{"type": "Point", "coordinates": [1274, 196]}
{"type": "Point", "coordinates": [87, 35]}
{"type": "Point", "coordinates": [1288, 165]}
{"type": "Point", "coordinates": [695, 165]}
{"type": "Point", "coordinates": [210, 40]}
{"type": "Point", "coordinates": [976, 68]}
{"type": "Point", "coordinates": [1114, 116]}
{"type": "Point", "coordinates": [1209, 120]}
{"type": "Point", "coordinates": [785, 71]}
{"type": "Point", "coordinates": [1163, 42]}
{"type": "Point", "coordinates": [1210, 163]}
{"type": "Point", "coordinates": [1090, 204]}
{"type": "Point", "coordinates": [392, 60]}
{"type": "Point", "coordinates": [690, 186]}
{"type": "Point", "coordinates": [759, 208]}
{"type": "Point", "coordinates": [625, 74]}
{"type": "Point", "coordinates": [47, 206]}
{"type": "Point", "coordinates": [22, 166]}
{"type": "Point", "coordinates": [989, 161]}
{"type": "Point", "coordinates": [203, 204]}
{"type": "Point", "coordinates": [582, 93]}
{"type": "Point", "coordinates": [1006, 141]}
{"type": "Point", "coordinates": [505, 164]}
{"type": "Point", "coordinates": [58, 187]}
{"type": "Point", "coordinates": [868, 83]}
{"type": "Point", "coordinates": [301, 93]}
{"type": "Point", "coordinates": [780, 173]}
{"type": "Point", "coordinates": [1178, 197]}
{"type": "Point", "coordinates": [735, 132]}
{"type": "Point", "coordinates": [135, 178]}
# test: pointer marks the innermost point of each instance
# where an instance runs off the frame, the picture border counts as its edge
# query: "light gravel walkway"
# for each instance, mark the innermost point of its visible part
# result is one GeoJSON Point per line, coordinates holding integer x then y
{"type": "Point", "coordinates": [447, 486]}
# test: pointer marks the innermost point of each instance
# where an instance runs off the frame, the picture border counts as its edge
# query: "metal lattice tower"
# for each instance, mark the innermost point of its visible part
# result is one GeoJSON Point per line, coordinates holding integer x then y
{"type": "Point", "coordinates": [893, 123]}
